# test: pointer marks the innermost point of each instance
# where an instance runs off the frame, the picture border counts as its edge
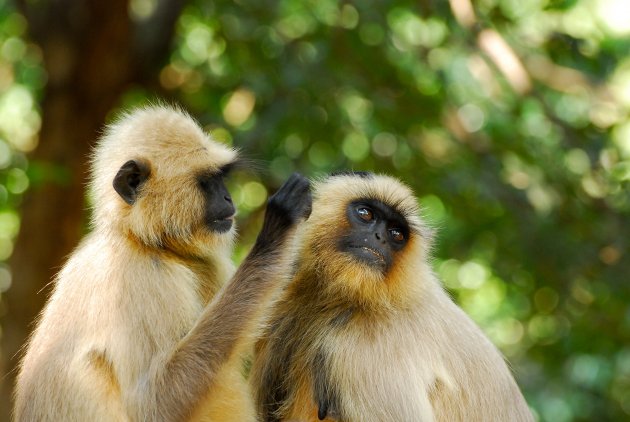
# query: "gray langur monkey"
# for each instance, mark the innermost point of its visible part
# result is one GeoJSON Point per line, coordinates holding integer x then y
{"type": "Point", "coordinates": [148, 317]}
{"type": "Point", "coordinates": [365, 332]}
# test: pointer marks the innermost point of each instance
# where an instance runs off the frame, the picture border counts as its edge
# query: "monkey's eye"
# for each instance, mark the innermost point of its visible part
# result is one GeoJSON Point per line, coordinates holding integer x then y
{"type": "Point", "coordinates": [365, 214]}
{"type": "Point", "coordinates": [397, 235]}
{"type": "Point", "coordinates": [225, 170]}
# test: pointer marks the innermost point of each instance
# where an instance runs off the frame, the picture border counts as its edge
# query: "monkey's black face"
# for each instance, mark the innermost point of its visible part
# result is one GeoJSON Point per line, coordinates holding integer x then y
{"type": "Point", "coordinates": [219, 213]}
{"type": "Point", "coordinates": [377, 232]}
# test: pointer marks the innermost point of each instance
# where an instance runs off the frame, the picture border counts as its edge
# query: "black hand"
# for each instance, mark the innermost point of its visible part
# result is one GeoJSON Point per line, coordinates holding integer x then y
{"type": "Point", "coordinates": [291, 204]}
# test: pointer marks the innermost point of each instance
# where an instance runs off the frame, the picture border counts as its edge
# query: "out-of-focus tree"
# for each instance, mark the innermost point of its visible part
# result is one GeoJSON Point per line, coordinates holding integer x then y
{"type": "Point", "coordinates": [77, 58]}
{"type": "Point", "coordinates": [510, 119]}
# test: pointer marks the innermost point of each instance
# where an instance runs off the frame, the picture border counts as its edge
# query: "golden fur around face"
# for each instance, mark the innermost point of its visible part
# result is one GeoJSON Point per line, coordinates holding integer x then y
{"type": "Point", "coordinates": [344, 275]}
{"type": "Point", "coordinates": [170, 206]}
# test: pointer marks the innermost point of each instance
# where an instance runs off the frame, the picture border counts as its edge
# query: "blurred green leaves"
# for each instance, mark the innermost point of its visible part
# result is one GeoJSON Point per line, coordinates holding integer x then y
{"type": "Point", "coordinates": [510, 120]}
{"type": "Point", "coordinates": [21, 80]}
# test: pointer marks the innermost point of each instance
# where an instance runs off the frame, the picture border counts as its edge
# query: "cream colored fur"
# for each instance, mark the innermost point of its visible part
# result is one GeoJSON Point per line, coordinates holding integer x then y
{"type": "Point", "coordinates": [135, 286]}
{"type": "Point", "coordinates": [407, 353]}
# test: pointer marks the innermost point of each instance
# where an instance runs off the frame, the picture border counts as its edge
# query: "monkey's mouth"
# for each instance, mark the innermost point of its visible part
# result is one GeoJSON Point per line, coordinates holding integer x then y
{"type": "Point", "coordinates": [221, 224]}
{"type": "Point", "coordinates": [228, 218]}
{"type": "Point", "coordinates": [368, 255]}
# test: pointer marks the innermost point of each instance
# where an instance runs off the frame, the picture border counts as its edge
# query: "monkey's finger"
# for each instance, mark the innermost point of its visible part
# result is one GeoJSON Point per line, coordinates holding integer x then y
{"type": "Point", "coordinates": [294, 188]}
{"type": "Point", "coordinates": [292, 202]}
{"type": "Point", "coordinates": [299, 194]}
{"type": "Point", "coordinates": [295, 182]}
{"type": "Point", "coordinates": [308, 205]}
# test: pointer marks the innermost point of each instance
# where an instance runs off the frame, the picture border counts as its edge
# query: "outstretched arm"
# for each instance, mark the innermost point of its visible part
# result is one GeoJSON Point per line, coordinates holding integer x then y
{"type": "Point", "coordinates": [190, 372]}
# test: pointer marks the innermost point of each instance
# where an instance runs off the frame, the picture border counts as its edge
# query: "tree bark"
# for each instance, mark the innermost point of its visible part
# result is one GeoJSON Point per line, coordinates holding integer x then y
{"type": "Point", "coordinates": [92, 53]}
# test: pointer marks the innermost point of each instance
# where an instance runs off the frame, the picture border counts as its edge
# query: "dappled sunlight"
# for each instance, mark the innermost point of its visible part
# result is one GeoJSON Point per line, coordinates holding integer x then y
{"type": "Point", "coordinates": [500, 52]}
{"type": "Point", "coordinates": [510, 119]}
{"type": "Point", "coordinates": [21, 79]}
{"type": "Point", "coordinates": [463, 12]}
{"type": "Point", "coordinates": [384, 144]}
{"type": "Point", "coordinates": [614, 15]}
{"type": "Point", "coordinates": [238, 107]}
{"type": "Point", "coordinates": [19, 120]}
{"type": "Point", "coordinates": [251, 195]}
{"type": "Point", "coordinates": [9, 226]}
{"type": "Point", "coordinates": [142, 9]}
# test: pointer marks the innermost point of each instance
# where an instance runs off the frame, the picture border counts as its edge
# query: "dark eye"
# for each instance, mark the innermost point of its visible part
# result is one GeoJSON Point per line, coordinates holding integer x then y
{"type": "Point", "coordinates": [365, 214]}
{"type": "Point", "coordinates": [397, 235]}
{"type": "Point", "coordinates": [227, 169]}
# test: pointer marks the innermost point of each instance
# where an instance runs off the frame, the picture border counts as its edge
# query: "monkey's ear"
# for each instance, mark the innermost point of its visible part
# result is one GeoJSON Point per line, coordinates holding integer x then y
{"type": "Point", "coordinates": [129, 178]}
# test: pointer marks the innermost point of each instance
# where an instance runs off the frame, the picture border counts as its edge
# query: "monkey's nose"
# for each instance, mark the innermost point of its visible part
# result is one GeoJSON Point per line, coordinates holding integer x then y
{"type": "Point", "coordinates": [381, 237]}
{"type": "Point", "coordinates": [228, 198]}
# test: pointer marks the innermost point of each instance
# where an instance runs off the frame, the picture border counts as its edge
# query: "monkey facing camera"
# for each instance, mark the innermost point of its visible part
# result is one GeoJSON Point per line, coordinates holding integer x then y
{"type": "Point", "coordinates": [148, 320]}
{"type": "Point", "coordinates": [365, 332]}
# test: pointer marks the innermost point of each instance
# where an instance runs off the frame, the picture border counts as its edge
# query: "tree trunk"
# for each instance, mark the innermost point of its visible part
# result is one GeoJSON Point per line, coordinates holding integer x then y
{"type": "Point", "coordinates": [90, 55]}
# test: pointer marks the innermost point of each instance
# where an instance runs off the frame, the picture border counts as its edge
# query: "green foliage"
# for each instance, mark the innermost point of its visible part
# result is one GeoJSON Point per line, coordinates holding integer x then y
{"type": "Point", "coordinates": [21, 77]}
{"type": "Point", "coordinates": [525, 180]}
{"type": "Point", "coordinates": [511, 125]}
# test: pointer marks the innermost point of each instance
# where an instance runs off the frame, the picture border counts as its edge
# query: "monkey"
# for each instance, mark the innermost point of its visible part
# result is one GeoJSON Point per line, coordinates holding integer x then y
{"type": "Point", "coordinates": [148, 317]}
{"type": "Point", "coordinates": [364, 331]}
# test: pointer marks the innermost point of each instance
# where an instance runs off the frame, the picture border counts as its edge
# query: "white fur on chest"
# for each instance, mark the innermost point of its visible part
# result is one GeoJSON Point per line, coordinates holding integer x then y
{"type": "Point", "coordinates": [385, 374]}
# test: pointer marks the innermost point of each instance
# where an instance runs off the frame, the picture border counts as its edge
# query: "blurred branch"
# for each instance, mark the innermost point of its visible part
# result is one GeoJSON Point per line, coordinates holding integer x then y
{"type": "Point", "coordinates": [494, 46]}
{"type": "Point", "coordinates": [506, 60]}
{"type": "Point", "coordinates": [463, 12]}
{"type": "Point", "coordinates": [153, 35]}
{"type": "Point", "coordinates": [559, 78]}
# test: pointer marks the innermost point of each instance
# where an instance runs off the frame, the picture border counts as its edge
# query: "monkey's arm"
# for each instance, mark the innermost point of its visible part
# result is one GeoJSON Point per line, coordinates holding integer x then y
{"type": "Point", "coordinates": [189, 373]}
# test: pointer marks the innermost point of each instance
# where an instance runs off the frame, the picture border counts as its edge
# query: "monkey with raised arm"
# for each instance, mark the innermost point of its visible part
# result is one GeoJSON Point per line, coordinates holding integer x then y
{"type": "Point", "coordinates": [147, 320]}
{"type": "Point", "coordinates": [365, 331]}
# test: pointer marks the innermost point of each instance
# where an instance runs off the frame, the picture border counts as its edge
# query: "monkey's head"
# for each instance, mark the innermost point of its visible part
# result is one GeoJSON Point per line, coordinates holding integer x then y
{"type": "Point", "coordinates": [365, 240]}
{"type": "Point", "coordinates": [159, 178]}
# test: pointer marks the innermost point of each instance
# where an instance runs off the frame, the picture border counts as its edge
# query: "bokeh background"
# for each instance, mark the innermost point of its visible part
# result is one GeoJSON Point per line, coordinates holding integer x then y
{"type": "Point", "coordinates": [509, 118]}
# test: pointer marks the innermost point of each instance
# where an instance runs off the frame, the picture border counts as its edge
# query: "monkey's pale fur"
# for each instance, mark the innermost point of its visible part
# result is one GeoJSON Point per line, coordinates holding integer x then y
{"type": "Point", "coordinates": [392, 346]}
{"type": "Point", "coordinates": [127, 297]}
